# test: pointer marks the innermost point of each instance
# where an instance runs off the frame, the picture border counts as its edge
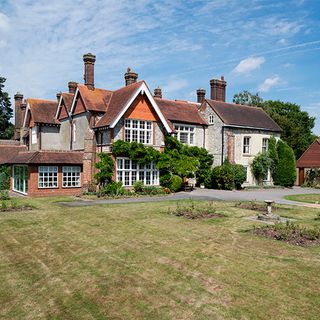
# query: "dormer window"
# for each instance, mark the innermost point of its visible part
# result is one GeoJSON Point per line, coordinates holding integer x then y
{"type": "Point", "coordinates": [211, 119]}
{"type": "Point", "coordinates": [138, 131]}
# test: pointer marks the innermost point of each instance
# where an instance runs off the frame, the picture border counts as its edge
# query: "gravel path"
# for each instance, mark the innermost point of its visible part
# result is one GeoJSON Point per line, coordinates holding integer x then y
{"type": "Point", "coordinates": [206, 194]}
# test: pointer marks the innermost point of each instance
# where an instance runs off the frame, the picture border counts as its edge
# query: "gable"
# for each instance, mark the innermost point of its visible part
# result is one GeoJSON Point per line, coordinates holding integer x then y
{"type": "Point", "coordinates": [141, 109]}
{"type": "Point", "coordinates": [79, 106]}
{"type": "Point", "coordinates": [63, 113]}
{"type": "Point", "coordinates": [311, 157]}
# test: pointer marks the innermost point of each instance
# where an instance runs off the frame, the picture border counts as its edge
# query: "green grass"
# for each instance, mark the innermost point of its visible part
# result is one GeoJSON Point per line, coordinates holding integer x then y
{"type": "Point", "coordinates": [136, 261]}
{"type": "Point", "coordinates": [310, 198]}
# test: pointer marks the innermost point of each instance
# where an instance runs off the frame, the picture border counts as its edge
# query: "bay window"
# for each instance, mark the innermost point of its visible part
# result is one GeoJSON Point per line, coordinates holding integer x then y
{"type": "Point", "coordinates": [138, 131]}
{"type": "Point", "coordinates": [129, 171]}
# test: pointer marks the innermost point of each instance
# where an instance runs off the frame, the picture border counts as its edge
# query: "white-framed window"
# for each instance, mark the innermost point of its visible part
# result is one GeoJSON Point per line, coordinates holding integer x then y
{"type": "Point", "coordinates": [47, 177]}
{"type": "Point", "coordinates": [71, 176]}
{"type": "Point", "coordinates": [185, 134]}
{"type": "Point", "coordinates": [265, 144]}
{"type": "Point", "coordinates": [211, 119]}
{"type": "Point", "coordinates": [138, 131]}
{"type": "Point", "coordinates": [129, 171]}
{"type": "Point", "coordinates": [74, 132]}
{"type": "Point", "coordinates": [34, 135]}
{"type": "Point", "coordinates": [246, 145]}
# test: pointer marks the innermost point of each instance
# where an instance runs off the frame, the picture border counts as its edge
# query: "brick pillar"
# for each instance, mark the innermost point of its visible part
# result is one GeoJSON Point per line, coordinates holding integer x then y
{"type": "Point", "coordinates": [18, 118]}
{"type": "Point", "coordinates": [89, 158]}
{"type": "Point", "coordinates": [130, 77]}
{"type": "Point", "coordinates": [218, 89]}
{"type": "Point", "coordinates": [201, 94]}
{"type": "Point", "coordinates": [72, 86]}
{"type": "Point", "coordinates": [158, 93]}
{"type": "Point", "coordinates": [89, 59]}
{"type": "Point", "coordinates": [231, 147]}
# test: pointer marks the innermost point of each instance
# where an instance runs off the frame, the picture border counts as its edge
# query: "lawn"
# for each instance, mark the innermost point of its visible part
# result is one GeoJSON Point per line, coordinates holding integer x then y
{"type": "Point", "coordinates": [311, 198]}
{"type": "Point", "coordinates": [136, 261]}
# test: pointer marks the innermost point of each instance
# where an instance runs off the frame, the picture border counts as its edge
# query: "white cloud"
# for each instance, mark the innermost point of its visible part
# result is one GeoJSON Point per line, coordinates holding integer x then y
{"type": "Point", "coordinates": [4, 21]}
{"type": "Point", "coordinates": [283, 42]}
{"type": "Point", "coordinates": [274, 26]}
{"type": "Point", "coordinates": [249, 64]}
{"type": "Point", "coordinates": [269, 83]}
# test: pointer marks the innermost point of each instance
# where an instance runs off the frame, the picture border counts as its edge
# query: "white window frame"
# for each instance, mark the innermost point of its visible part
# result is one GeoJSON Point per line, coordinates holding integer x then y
{"type": "Point", "coordinates": [71, 177]}
{"type": "Point", "coordinates": [49, 172]}
{"type": "Point", "coordinates": [34, 139]}
{"type": "Point", "coordinates": [138, 131]}
{"type": "Point", "coordinates": [265, 144]}
{"type": "Point", "coordinates": [187, 130]}
{"type": "Point", "coordinates": [128, 171]}
{"type": "Point", "coordinates": [23, 179]}
{"type": "Point", "coordinates": [211, 119]}
{"type": "Point", "coordinates": [246, 147]}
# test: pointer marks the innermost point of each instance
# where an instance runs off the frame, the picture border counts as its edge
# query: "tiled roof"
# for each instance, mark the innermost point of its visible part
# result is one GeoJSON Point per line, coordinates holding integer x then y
{"type": "Point", "coordinates": [244, 116]}
{"type": "Point", "coordinates": [95, 100]}
{"type": "Point", "coordinates": [9, 152]}
{"type": "Point", "coordinates": [48, 157]}
{"type": "Point", "coordinates": [67, 99]}
{"type": "Point", "coordinates": [118, 101]}
{"type": "Point", "coordinates": [180, 111]}
{"type": "Point", "coordinates": [43, 111]}
{"type": "Point", "coordinates": [311, 157]}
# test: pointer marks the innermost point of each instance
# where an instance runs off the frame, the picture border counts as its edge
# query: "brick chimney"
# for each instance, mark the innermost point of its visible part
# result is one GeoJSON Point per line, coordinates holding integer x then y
{"type": "Point", "coordinates": [158, 93]}
{"type": "Point", "coordinates": [89, 59]}
{"type": "Point", "coordinates": [130, 77]}
{"type": "Point", "coordinates": [72, 85]}
{"type": "Point", "coordinates": [218, 89]}
{"type": "Point", "coordinates": [18, 101]}
{"type": "Point", "coordinates": [201, 94]}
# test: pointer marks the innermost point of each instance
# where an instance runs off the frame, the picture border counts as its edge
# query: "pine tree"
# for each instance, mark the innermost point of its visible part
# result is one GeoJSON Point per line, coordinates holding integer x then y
{"type": "Point", "coordinates": [6, 128]}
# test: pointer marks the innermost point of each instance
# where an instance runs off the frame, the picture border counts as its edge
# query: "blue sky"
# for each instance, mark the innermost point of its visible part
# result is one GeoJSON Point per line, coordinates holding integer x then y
{"type": "Point", "coordinates": [270, 47]}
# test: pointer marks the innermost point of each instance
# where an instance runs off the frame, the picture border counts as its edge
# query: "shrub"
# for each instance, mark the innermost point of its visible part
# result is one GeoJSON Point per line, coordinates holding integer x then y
{"type": "Point", "coordinates": [138, 186]}
{"type": "Point", "coordinates": [273, 155]}
{"type": "Point", "coordinates": [106, 167]}
{"type": "Point", "coordinates": [260, 166]}
{"type": "Point", "coordinates": [223, 177]}
{"type": "Point", "coordinates": [285, 172]}
{"type": "Point", "coordinates": [4, 177]}
{"type": "Point", "coordinates": [113, 189]}
{"type": "Point", "coordinates": [176, 183]}
{"type": "Point", "coordinates": [4, 195]}
{"type": "Point", "coordinates": [166, 180]}
{"type": "Point", "coordinates": [240, 175]}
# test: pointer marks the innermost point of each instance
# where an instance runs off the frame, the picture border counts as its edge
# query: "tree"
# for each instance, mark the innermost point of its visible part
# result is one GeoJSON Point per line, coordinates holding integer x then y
{"type": "Point", "coordinates": [260, 166]}
{"type": "Point", "coordinates": [6, 128]}
{"type": "Point", "coordinates": [285, 171]}
{"type": "Point", "coordinates": [247, 98]}
{"type": "Point", "coordinates": [106, 168]}
{"type": "Point", "coordinates": [297, 125]}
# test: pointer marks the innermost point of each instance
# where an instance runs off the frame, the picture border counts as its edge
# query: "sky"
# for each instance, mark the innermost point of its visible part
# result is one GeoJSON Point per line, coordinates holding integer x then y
{"type": "Point", "coordinates": [265, 46]}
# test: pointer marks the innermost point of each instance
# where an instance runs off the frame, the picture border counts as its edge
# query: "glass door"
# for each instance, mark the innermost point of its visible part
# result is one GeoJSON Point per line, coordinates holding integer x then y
{"type": "Point", "coordinates": [20, 179]}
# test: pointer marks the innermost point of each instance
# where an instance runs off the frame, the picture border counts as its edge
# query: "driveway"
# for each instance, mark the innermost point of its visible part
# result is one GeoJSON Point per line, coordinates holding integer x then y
{"type": "Point", "coordinates": [207, 194]}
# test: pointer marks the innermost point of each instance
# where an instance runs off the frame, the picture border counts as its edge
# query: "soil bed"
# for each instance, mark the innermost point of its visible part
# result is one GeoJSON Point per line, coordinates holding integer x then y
{"type": "Point", "coordinates": [198, 215]}
{"type": "Point", "coordinates": [15, 209]}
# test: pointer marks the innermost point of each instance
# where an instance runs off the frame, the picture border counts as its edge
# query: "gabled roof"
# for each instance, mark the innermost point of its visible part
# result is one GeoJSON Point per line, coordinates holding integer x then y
{"type": "Point", "coordinates": [243, 116]}
{"type": "Point", "coordinates": [42, 111]}
{"type": "Point", "coordinates": [95, 100]}
{"type": "Point", "coordinates": [10, 152]}
{"type": "Point", "coordinates": [311, 157]}
{"type": "Point", "coordinates": [47, 157]}
{"type": "Point", "coordinates": [122, 99]}
{"type": "Point", "coordinates": [65, 99]}
{"type": "Point", "coordinates": [181, 111]}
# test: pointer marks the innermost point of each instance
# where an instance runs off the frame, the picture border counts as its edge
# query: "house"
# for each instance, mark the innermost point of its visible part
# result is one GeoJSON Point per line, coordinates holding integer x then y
{"type": "Point", "coordinates": [310, 159]}
{"type": "Point", "coordinates": [62, 137]}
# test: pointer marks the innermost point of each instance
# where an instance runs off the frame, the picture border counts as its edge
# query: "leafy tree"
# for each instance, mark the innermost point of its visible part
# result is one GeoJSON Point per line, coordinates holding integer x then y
{"type": "Point", "coordinates": [6, 128]}
{"type": "Point", "coordinates": [273, 155]}
{"type": "Point", "coordinates": [297, 125]}
{"type": "Point", "coordinates": [106, 168]}
{"type": "Point", "coordinates": [260, 166]}
{"type": "Point", "coordinates": [247, 98]}
{"type": "Point", "coordinates": [240, 175]}
{"type": "Point", "coordinates": [285, 172]}
{"type": "Point", "coordinates": [223, 177]}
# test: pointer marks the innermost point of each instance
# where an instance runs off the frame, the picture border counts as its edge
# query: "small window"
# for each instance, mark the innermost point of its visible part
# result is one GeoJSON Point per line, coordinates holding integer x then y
{"type": "Point", "coordinates": [246, 145]}
{"type": "Point", "coordinates": [71, 177]}
{"type": "Point", "coordinates": [265, 144]}
{"type": "Point", "coordinates": [33, 135]}
{"type": "Point", "coordinates": [211, 119]}
{"type": "Point", "coordinates": [48, 177]}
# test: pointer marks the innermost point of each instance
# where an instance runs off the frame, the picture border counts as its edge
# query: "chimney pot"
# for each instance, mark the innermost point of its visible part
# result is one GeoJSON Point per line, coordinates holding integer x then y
{"type": "Point", "coordinates": [89, 59]}
{"type": "Point", "coordinates": [130, 77]}
{"type": "Point", "coordinates": [158, 93]}
{"type": "Point", "coordinates": [218, 89]}
{"type": "Point", "coordinates": [72, 85]}
{"type": "Point", "coordinates": [201, 94]}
